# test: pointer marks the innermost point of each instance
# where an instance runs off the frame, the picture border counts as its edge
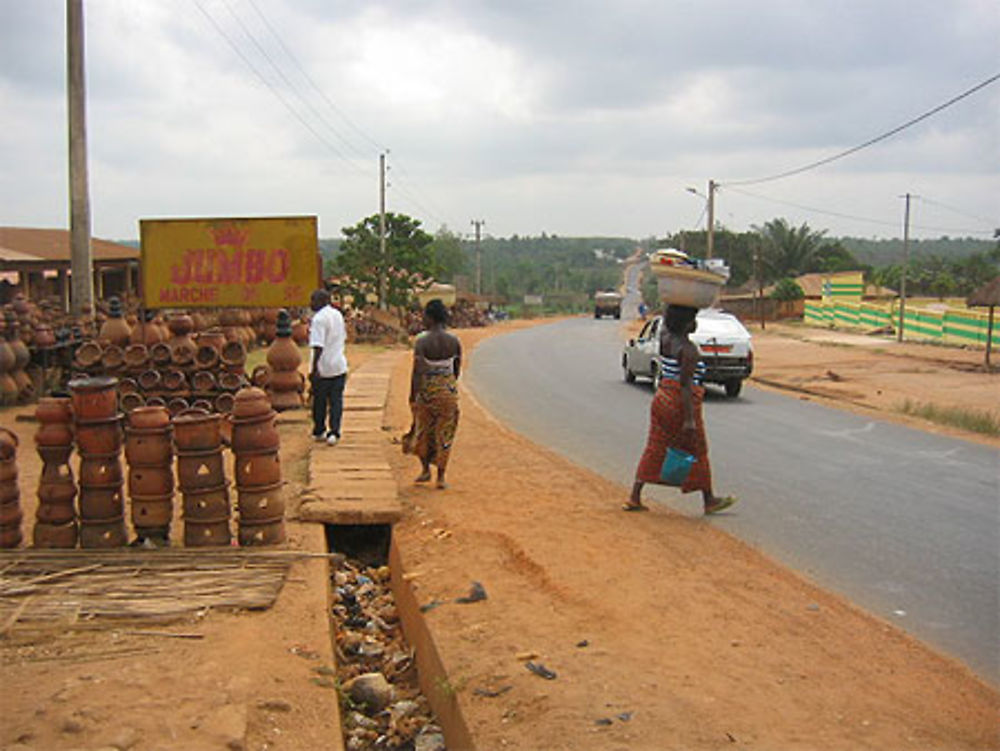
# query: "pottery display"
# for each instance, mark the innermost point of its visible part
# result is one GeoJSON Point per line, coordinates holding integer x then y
{"type": "Point", "coordinates": [94, 398]}
{"type": "Point", "coordinates": [285, 384]}
{"type": "Point", "coordinates": [10, 495]}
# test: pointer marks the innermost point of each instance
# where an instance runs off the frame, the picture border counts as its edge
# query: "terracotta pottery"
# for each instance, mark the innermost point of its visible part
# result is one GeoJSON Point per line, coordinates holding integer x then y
{"type": "Point", "coordinates": [131, 401]}
{"type": "Point", "coordinates": [113, 357]}
{"type": "Point", "coordinates": [234, 353]}
{"type": "Point", "coordinates": [180, 324]}
{"type": "Point", "coordinates": [300, 332]}
{"type": "Point", "coordinates": [160, 354]}
{"type": "Point", "coordinates": [250, 402]}
{"type": "Point", "coordinates": [94, 398]}
{"type": "Point", "coordinates": [268, 533]}
{"type": "Point", "coordinates": [282, 400]}
{"type": "Point", "coordinates": [257, 469]}
{"type": "Point", "coordinates": [106, 533]}
{"type": "Point", "coordinates": [100, 471]}
{"type": "Point", "coordinates": [204, 404]}
{"type": "Point", "coordinates": [99, 436]}
{"type": "Point", "coordinates": [115, 331]}
{"type": "Point", "coordinates": [149, 418]}
{"type": "Point", "coordinates": [44, 336]}
{"type": "Point", "coordinates": [196, 430]}
{"type": "Point", "coordinates": [149, 448]}
{"type": "Point", "coordinates": [177, 404]}
{"type": "Point", "coordinates": [136, 356]}
{"type": "Point", "coordinates": [9, 390]}
{"type": "Point", "coordinates": [231, 381]}
{"type": "Point", "coordinates": [55, 434]}
{"type": "Point", "coordinates": [54, 456]}
{"type": "Point", "coordinates": [174, 380]}
{"type": "Point", "coordinates": [261, 376]}
{"type": "Point", "coordinates": [56, 513]}
{"type": "Point", "coordinates": [10, 537]}
{"type": "Point", "coordinates": [10, 493]}
{"type": "Point", "coordinates": [101, 503]}
{"type": "Point", "coordinates": [255, 434]}
{"type": "Point", "coordinates": [8, 443]}
{"type": "Point", "coordinates": [8, 470]}
{"type": "Point", "coordinates": [55, 535]}
{"type": "Point", "coordinates": [286, 380]}
{"type": "Point", "coordinates": [127, 386]}
{"type": "Point", "coordinates": [54, 409]}
{"type": "Point", "coordinates": [152, 513]}
{"type": "Point", "coordinates": [206, 357]}
{"type": "Point", "coordinates": [200, 470]}
{"type": "Point", "coordinates": [88, 354]}
{"type": "Point", "coordinates": [151, 481]}
{"type": "Point", "coordinates": [147, 333]}
{"type": "Point", "coordinates": [224, 403]}
{"type": "Point", "coordinates": [150, 380]}
{"type": "Point", "coordinates": [283, 354]}
{"type": "Point", "coordinates": [213, 337]}
{"type": "Point", "coordinates": [210, 504]}
{"type": "Point", "coordinates": [266, 503]}
{"type": "Point", "coordinates": [155, 400]}
{"type": "Point", "coordinates": [182, 353]}
{"type": "Point", "coordinates": [207, 534]}
{"type": "Point", "coordinates": [203, 381]}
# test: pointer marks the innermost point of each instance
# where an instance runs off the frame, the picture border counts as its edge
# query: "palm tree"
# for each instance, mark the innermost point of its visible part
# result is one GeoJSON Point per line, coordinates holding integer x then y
{"type": "Point", "coordinates": [788, 251]}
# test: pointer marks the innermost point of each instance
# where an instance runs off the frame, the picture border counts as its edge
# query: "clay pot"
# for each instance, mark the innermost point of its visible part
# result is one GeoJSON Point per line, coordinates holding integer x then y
{"type": "Point", "coordinates": [55, 535]}
{"type": "Point", "coordinates": [282, 400]}
{"type": "Point", "coordinates": [268, 533]}
{"type": "Point", "coordinates": [207, 534]}
{"type": "Point", "coordinates": [88, 354]}
{"type": "Point", "coordinates": [212, 338]}
{"type": "Point", "coordinates": [149, 418]}
{"type": "Point", "coordinates": [174, 380]}
{"type": "Point", "coordinates": [56, 513]}
{"type": "Point", "coordinates": [9, 390]}
{"type": "Point", "coordinates": [200, 470]}
{"type": "Point", "coordinates": [44, 336]}
{"type": "Point", "coordinates": [224, 403]}
{"type": "Point", "coordinates": [113, 357]}
{"type": "Point", "coordinates": [206, 357]}
{"type": "Point", "coordinates": [147, 333]}
{"type": "Point", "coordinates": [10, 537]}
{"type": "Point", "coordinates": [160, 354]}
{"type": "Point", "coordinates": [286, 380]}
{"type": "Point", "coordinates": [234, 353]}
{"type": "Point", "coordinates": [115, 331]}
{"type": "Point", "coordinates": [255, 434]}
{"type": "Point", "coordinates": [56, 409]}
{"type": "Point", "coordinates": [196, 430]}
{"type": "Point", "coordinates": [127, 386]}
{"type": "Point", "coordinates": [203, 381]}
{"type": "Point", "coordinates": [283, 354]}
{"type": "Point", "coordinates": [101, 503]}
{"type": "Point", "coordinates": [177, 404]}
{"type": "Point", "coordinates": [8, 470]}
{"type": "Point", "coordinates": [155, 400]}
{"type": "Point", "coordinates": [203, 404]}
{"type": "Point", "coordinates": [136, 356]}
{"type": "Point", "coordinates": [210, 504]}
{"type": "Point", "coordinates": [131, 401]}
{"type": "Point", "coordinates": [250, 402]}
{"type": "Point", "coordinates": [257, 469]}
{"type": "Point", "coordinates": [94, 398]}
{"type": "Point", "coordinates": [149, 380]}
{"type": "Point", "coordinates": [99, 436]}
{"type": "Point", "coordinates": [182, 353]}
{"type": "Point", "coordinates": [148, 448]}
{"type": "Point", "coordinates": [151, 481]}
{"type": "Point", "coordinates": [106, 533]}
{"type": "Point", "coordinates": [266, 503]}
{"type": "Point", "coordinates": [261, 376]}
{"type": "Point", "coordinates": [100, 471]}
{"type": "Point", "coordinates": [10, 493]}
{"type": "Point", "coordinates": [231, 381]}
{"type": "Point", "coordinates": [55, 434]}
{"type": "Point", "coordinates": [10, 513]}
{"type": "Point", "coordinates": [55, 456]}
{"type": "Point", "coordinates": [180, 324]}
{"type": "Point", "coordinates": [8, 443]}
{"type": "Point", "coordinates": [152, 513]}
{"type": "Point", "coordinates": [300, 332]}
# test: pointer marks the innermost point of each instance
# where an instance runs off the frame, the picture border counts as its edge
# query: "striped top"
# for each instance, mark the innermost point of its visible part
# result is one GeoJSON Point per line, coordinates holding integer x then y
{"type": "Point", "coordinates": [670, 369]}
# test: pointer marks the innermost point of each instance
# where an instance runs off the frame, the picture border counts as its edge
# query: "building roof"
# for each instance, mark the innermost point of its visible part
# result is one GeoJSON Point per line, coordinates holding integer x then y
{"type": "Point", "coordinates": [41, 247]}
{"type": "Point", "coordinates": [812, 286]}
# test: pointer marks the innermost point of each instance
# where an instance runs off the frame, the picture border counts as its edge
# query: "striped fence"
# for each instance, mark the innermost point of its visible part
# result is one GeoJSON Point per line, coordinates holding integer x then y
{"type": "Point", "coordinates": [950, 326]}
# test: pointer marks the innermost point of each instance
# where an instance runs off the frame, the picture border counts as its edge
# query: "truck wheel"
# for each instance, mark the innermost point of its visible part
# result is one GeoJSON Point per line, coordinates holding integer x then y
{"type": "Point", "coordinates": [733, 387]}
{"type": "Point", "coordinates": [597, 314]}
{"type": "Point", "coordinates": [618, 314]}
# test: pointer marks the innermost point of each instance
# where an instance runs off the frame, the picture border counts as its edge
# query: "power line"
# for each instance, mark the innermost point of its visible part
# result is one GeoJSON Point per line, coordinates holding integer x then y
{"type": "Point", "coordinates": [960, 212]}
{"type": "Point", "coordinates": [870, 142]}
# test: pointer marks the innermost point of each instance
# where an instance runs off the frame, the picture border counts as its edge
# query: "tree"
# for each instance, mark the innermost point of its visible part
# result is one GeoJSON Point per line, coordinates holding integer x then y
{"type": "Point", "coordinates": [787, 289]}
{"type": "Point", "coordinates": [788, 251]}
{"type": "Point", "coordinates": [448, 254]}
{"type": "Point", "coordinates": [409, 258]}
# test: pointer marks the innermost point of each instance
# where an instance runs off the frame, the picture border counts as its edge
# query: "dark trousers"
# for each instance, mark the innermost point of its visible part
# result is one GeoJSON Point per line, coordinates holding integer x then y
{"type": "Point", "coordinates": [328, 403]}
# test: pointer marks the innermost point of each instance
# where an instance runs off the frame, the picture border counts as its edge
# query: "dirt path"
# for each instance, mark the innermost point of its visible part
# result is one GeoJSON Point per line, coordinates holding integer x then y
{"type": "Point", "coordinates": [663, 632]}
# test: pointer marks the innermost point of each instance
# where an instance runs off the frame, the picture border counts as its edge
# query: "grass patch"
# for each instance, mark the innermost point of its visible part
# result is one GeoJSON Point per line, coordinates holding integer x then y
{"type": "Point", "coordinates": [956, 417]}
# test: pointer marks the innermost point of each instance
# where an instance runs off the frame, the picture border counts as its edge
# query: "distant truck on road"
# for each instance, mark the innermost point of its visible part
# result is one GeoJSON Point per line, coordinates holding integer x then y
{"type": "Point", "coordinates": [607, 303]}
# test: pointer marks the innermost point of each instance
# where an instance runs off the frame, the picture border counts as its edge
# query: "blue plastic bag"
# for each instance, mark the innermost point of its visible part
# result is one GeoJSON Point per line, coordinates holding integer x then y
{"type": "Point", "coordinates": [676, 467]}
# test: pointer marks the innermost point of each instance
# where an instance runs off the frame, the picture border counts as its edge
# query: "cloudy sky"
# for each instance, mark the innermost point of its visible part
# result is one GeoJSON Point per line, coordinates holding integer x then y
{"type": "Point", "coordinates": [571, 117]}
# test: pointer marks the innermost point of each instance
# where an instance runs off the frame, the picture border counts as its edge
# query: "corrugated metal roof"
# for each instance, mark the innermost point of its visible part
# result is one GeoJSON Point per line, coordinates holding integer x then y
{"type": "Point", "coordinates": [25, 244]}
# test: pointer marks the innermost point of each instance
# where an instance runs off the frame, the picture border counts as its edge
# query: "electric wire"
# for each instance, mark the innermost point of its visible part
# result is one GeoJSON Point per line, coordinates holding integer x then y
{"type": "Point", "coordinates": [960, 212]}
{"type": "Point", "coordinates": [871, 141]}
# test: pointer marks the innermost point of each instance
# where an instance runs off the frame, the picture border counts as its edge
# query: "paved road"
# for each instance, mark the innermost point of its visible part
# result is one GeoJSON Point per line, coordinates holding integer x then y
{"type": "Point", "coordinates": [904, 523]}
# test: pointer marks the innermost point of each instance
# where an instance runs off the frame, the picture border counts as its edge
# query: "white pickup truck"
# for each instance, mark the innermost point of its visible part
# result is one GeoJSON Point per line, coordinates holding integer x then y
{"type": "Point", "coordinates": [723, 342]}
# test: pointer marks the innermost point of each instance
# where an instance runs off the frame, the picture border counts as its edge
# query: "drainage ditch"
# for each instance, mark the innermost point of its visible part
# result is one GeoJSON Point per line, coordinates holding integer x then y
{"type": "Point", "coordinates": [382, 706]}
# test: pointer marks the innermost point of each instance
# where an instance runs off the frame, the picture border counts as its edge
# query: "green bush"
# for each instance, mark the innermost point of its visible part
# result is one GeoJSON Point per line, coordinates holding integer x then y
{"type": "Point", "coordinates": [787, 289]}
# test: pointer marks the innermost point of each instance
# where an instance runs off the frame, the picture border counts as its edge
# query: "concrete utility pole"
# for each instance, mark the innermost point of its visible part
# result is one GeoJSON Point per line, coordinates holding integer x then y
{"type": "Point", "coordinates": [906, 262]}
{"type": "Point", "coordinates": [710, 248]}
{"type": "Point", "coordinates": [81, 263]}
{"type": "Point", "coordinates": [383, 258]}
{"type": "Point", "coordinates": [478, 224]}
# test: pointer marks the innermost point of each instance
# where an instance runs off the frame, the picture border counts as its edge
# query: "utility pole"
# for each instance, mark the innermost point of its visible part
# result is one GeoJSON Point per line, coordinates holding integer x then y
{"type": "Point", "coordinates": [478, 224]}
{"type": "Point", "coordinates": [383, 259]}
{"type": "Point", "coordinates": [710, 249]}
{"type": "Point", "coordinates": [906, 262]}
{"type": "Point", "coordinates": [81, 262]}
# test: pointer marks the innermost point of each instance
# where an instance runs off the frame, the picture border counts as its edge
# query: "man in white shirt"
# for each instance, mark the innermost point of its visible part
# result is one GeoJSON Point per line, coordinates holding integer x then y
{"type": "Point", "coordinates": [328, 374]}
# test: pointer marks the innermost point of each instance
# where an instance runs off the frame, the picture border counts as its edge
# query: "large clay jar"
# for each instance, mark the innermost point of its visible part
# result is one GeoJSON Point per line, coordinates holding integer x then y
{"type": "Point", "coordinates": [94, 398]}
{"type": "Point", "coordinates": [160, 353]}
{"type": "Point", "coordinates": [283, 354]}
{"type": "Point", "coordinates": [101, 504]}
{"type": "Point", "coordinates": [207, 534]}
{"type": "Point", "coordinates": [255, 433]}
{"type": "Point", "coordinates": [250, 402]}
{"type": "Point", "coordinates": [149, 418]}
{"type": "Point", "coordinates": [115, 329]}
{"type": "Point", "coordinates": [234, 354]}
{"type": "Point", "coordinates": [151, 481]}
{"type": "Point", "coordinates": [207, 505]}
{"type": "Point", "coordinates": [253, 533]}
{"type": "Point", "coordinates": [254, 469]}
{"type": "Point", "coordinates": [151, 513]}
{"type": "Point", "coordinates": [265, 503]}
{"type": "Point", "coordinates": [200, 470]}
{"type": "Point", "coordinates": [47, 535]}
{"type": "Point", "coordinates": [99, 436]}
{"type": "Point", "coordinates": [214, 337]}
{"type": "Point", "coordinates": [100, 471]}
{"type": "Point", "coordinates": [148, 448]}
{"type": "Point", "coordinates": [105, 533]}
{"type": "Point", "coordinates": [88, 355]}
{"type": "Point", "coordinates": [136, 357]}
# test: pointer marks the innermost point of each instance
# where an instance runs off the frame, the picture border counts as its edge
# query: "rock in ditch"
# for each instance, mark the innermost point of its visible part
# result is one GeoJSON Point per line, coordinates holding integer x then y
{"type": "Point", "coordinates": [429, 740]}
{"type": "Point", "coordinates": [370, 689]}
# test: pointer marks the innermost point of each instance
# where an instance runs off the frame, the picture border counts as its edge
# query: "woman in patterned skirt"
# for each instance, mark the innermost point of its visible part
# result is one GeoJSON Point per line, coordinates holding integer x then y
{"type": "Point", "coordinates": [437, 362]}
{"type": "Point", "coordinates": [675, 417]}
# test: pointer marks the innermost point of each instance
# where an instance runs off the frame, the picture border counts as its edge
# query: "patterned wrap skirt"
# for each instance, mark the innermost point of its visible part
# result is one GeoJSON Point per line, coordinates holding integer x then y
{"type": "Point", "coordinates": [435, 414]}
{"type": "Point", "coordinates": [666, 419]}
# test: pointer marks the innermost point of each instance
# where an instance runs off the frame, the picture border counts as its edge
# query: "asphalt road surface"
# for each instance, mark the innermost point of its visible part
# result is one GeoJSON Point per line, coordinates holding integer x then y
{"type": "Point", "coordinates": [904, 523]}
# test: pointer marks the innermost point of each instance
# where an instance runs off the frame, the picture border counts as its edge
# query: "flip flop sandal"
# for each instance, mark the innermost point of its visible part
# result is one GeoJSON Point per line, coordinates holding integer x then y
{"type": "Point", "coordinates": [720, 505]}
{"type": "Point", "coordinates": [634, 507]}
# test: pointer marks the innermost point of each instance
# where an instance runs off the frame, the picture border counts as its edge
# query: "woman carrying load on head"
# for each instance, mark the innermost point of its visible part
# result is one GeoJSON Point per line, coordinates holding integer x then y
{"type": "Point", "coordinates": [675, 415]}
{"type": "Point", "coordinates": [437, 362]}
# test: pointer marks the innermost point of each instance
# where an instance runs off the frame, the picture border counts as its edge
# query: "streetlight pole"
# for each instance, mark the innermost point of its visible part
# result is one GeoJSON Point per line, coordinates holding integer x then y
{"type": "Point", "coordinates": [81, 261]}
{"type": "Point", "coordinates": [906, 262]}
{"type": "Point", "coordinates": [710, 249]}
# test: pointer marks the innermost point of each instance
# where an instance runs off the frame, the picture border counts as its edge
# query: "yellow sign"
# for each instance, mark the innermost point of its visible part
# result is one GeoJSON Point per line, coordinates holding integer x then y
{"type": "Point", "coordinates": [199, 263]}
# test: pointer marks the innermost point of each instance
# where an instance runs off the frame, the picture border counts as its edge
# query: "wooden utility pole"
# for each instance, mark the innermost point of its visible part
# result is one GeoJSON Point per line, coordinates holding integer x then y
{"type": "Point", "coordinates": [383, 258]}
{"type": "Point", "coordinates": [478, 224]}
{"type": "Point", "coordinates": [711, 219]}
{"type": "Point", "coordinates": [81, 262]}
{"type": "Point", "coordinates": [906, 262]}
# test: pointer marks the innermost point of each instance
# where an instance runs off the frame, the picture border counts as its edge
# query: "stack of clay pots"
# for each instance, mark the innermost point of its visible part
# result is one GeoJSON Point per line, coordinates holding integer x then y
{"type": "Point", "coordinates": [10, 495]}
{"type": "Point", "coordinates": [285, 383]}
{"type": "Point", "coordinates": [150, 455]}
{"type": "Point", "coordinates": [99, 442]}
{"type": "Point", "coordinates": [55, 518]}
{"type": "Point", "coordinates": [202, 479]}
{"type": "Point", "coordinates": [255, 445]}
